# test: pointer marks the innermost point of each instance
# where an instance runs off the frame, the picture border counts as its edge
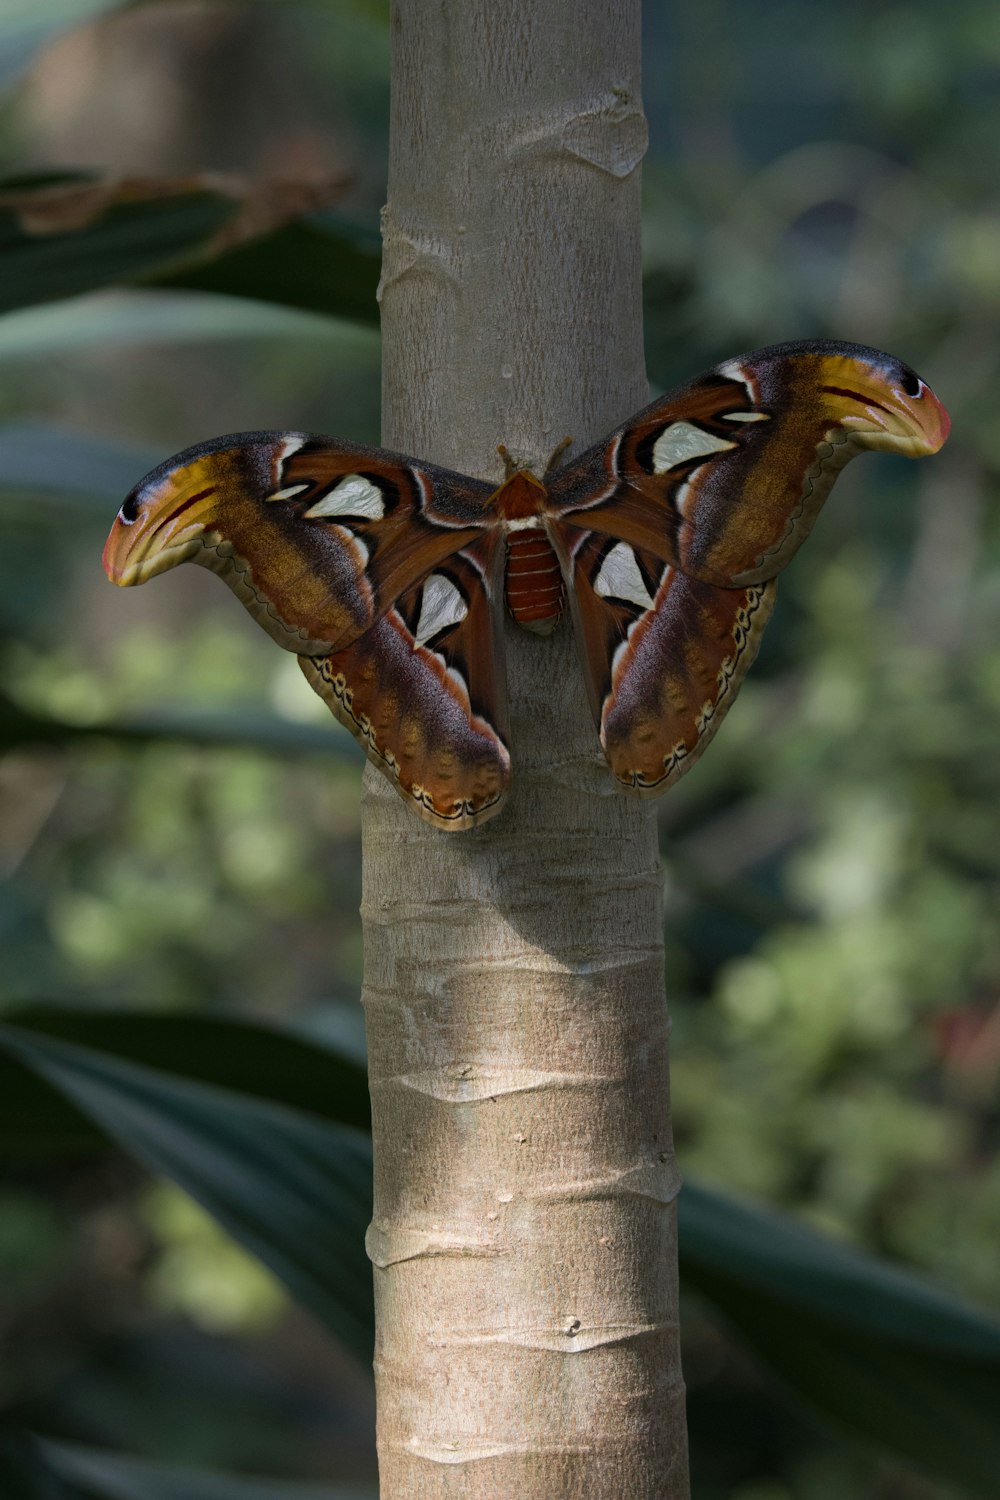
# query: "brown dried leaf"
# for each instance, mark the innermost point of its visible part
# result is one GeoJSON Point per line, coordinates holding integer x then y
{"type": "Point", "coordinates": [259, 207]}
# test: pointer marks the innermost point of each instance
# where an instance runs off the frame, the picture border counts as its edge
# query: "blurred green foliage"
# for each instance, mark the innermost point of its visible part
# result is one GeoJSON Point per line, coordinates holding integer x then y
{"type": "Point", "coordinates": [180, 833]}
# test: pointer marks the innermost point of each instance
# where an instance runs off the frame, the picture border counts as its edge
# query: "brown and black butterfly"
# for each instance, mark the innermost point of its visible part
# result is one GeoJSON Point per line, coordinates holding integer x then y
{"type": "Point", "coordinates": [387, 576]}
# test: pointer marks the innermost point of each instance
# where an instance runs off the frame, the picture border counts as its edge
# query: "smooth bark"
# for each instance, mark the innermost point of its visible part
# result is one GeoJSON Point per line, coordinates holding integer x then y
{"type": "Point", "coordinates": [523, 1230]}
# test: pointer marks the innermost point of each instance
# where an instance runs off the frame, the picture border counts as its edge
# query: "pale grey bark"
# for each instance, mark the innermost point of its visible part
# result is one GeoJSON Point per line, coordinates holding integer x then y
{"type": "Point", "coordinates": [523, 1230]}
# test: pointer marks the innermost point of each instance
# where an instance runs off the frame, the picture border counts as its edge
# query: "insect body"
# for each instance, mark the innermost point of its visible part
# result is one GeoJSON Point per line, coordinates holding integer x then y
{"type": "Point", "coordinates": [387, 575]}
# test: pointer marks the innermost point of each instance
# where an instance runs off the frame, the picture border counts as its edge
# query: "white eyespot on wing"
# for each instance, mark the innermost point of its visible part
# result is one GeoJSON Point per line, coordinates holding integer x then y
{"type": "Point", "coordinates": [619, 578]}
{"type": "Point", "coordinates": [747, 416]}
{"type": "Point", "coordinates": [353, 496]}
{"type": "Point", "coordinates": [293, 489]}
{"type": "Point", "coordinates": [681, 441]}
{"type": "Point", "coordinates": [441, 605]}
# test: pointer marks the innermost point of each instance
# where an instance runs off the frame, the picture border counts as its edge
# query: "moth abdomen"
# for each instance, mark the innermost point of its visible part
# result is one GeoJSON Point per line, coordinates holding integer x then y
{"type": "Point", "coordinates": [535, 592]}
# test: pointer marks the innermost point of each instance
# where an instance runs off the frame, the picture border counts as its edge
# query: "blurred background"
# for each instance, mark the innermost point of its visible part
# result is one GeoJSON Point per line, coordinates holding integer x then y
{"type": "Point", "coordinates": [180, 814]}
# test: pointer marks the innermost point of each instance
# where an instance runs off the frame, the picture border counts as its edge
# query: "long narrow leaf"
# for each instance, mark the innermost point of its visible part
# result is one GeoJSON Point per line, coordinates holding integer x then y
{"type": "Point", "coordinates": [259, 1061]}
{"type": "Point", "coordinates": [295, 1190]}
{"type": "Point", "coordinates": [272, 241]}
{"type": "Point", "coordinates": [116, 1477]}
{"type": "Point", "coordinates": [241, 730]}
{"type": "Point", "coordinates": [56, 241]}
{"type": "Point", "coordinates": [26, 1474]}
{"type": "Point", "coordinates": [887, 1356]}
{"type": "Point", "coordinates": [116, 319]}
{"type": "Point", "coordinates": [321, 265]}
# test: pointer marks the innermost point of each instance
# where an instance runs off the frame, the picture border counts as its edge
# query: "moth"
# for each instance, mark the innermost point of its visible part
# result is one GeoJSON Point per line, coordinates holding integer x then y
{"type": "Point", "coordinates": [388, 576]}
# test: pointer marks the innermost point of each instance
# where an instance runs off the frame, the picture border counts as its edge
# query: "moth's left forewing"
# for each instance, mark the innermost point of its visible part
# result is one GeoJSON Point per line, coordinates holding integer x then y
{"type": "Point", "coordinates": [424, 691]}
{"type": "Point", "coordinates": [422, 515]}
{"type": "Point", "coordinates": [316, 537]}
{"type": "Point", "coordinates": [663, 654]}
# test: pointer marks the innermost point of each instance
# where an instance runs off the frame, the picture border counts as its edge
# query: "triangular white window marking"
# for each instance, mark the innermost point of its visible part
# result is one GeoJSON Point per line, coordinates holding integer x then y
{"type": "Point", "coordinates": [293, 489]}
{"type": "Point", "coordinates": [441, 605]}
{"type": "Point", "coordinates": [619, 578]}
{"type": "Point", "coordinates": [683, 493]}
{"type": "Point", "coordinates": [681, 441]}
{"type": "Point", "coordinates": [354, 544]}
{"type": "Point", "coordinates": [353, 496]}
{"type": "Point", "coordinates": [290, 444]}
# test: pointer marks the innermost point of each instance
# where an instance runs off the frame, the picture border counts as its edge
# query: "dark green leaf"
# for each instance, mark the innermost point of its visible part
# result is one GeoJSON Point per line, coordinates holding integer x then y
{"type": "Point", "coordinates": [255, 1060]}
{"type": "Point", "coordinates": [122, 243]}
{"type": "Point", "coordinates": [254, 731]}
{"type": "Point", "coordinates": [116, 1477]}
{"type": "Point", "coordinates": [80, 234]}
{"type": "Point", "coordinates": [891, 1358]}
{"type": "Point", "coordinates": [26, 1474]}
{"type": "Point", "coordinates": [321, 264]}
{"type": "Point", "coordinates": [895, 1361]}
{"type": "Point", "coordinates": [293, 1189]}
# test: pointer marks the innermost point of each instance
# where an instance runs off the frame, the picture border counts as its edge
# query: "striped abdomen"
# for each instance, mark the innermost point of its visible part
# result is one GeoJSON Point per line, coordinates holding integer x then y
{"type": "Point", "coordinates": [534, 580]}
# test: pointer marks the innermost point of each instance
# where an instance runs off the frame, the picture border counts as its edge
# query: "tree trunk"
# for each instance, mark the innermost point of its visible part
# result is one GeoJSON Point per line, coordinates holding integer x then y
{"type": "Point", "coordinates": [523, 1235]}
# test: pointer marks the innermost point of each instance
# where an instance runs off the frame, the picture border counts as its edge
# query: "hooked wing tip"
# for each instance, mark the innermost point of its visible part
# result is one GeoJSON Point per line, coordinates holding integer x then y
{"type": "Point", "coordinates": [938, 426]}
{"type": "Point", "coordinates": [114, 558]}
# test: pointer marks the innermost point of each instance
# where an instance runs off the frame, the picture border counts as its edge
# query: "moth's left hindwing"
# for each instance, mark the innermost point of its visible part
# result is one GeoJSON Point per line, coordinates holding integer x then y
{"type": "Point", "coordinates": [381, 573]}
{"type": "Point", "coordinates": [424, 691]}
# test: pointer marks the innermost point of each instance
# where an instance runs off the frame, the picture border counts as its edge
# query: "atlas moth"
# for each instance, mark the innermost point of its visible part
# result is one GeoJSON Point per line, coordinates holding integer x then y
{"type": "Point", "coordinates": [388, 576]}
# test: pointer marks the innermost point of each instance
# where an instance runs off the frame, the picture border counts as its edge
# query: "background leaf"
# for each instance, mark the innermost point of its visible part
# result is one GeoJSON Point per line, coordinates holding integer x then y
{"type": "Point", "coordinates": [869, 1346]}
{"type": "Point", "coordinates": [890, 1358]}
{"type": "Point", "coordinates": [260, 1061]}
{"type": "Point", "coordinates": [115, 320]}
{"type": "Point", "coordinates": [64, 236]}
{"type": "Point", "coordinates": [294, 1190]}
{"type": "Point", "coordinates": [38, 456]}
{"type": "Point", "coordinates": [259, 731]}
{"type": "Point", "coordinates": [322, 265]}
{"type": "Point", "coordinates": [112, 1476]}
{"type": "Point", "coordinates": [117, 240]}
